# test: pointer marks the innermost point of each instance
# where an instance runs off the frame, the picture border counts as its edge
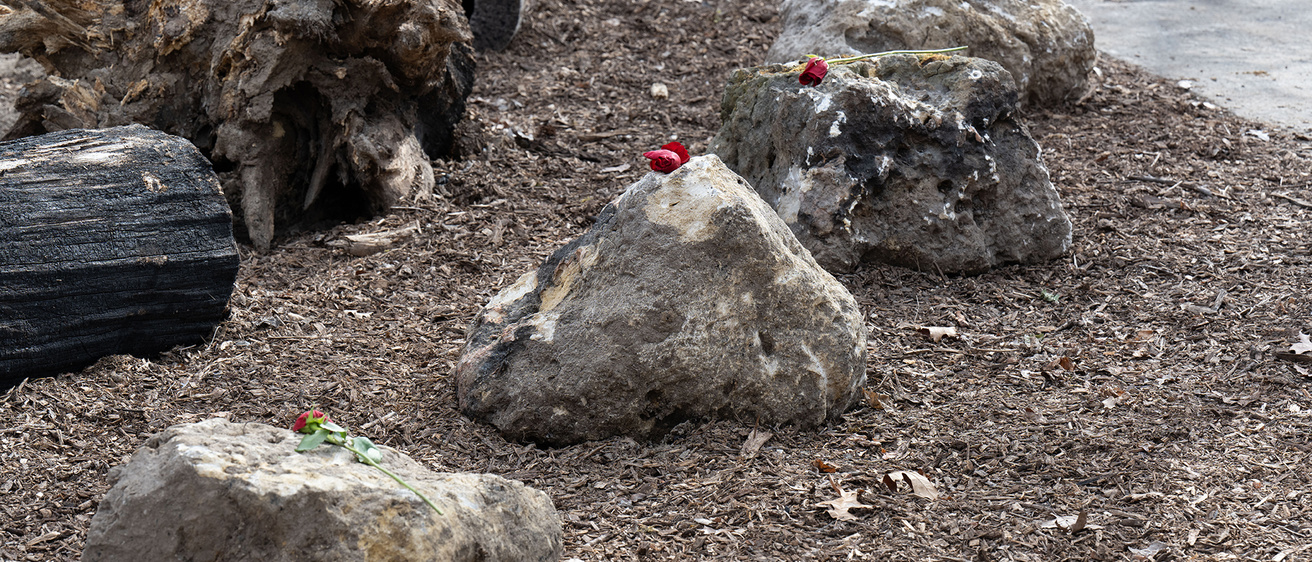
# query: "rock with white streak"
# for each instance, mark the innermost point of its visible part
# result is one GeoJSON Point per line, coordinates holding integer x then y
{"type": "Point", "coordinates": [1046, 45]}
{"type": "Point", "coordinates": [910, 162]}
{"type": "Point", "coordinates": [689, 299]}
{"type": "Point", "coordinates": [216, 490]}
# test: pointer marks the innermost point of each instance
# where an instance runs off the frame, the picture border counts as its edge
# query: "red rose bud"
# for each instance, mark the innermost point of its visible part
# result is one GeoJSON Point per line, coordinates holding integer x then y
{"type": "Point", "coordinates": [814, 73]}
{"type": "Point", "coordinates": [680, 150]}
{"type": "Point", "coordinates": [304, 419]}
{"type": "Point", "coordinates": [664, 160]}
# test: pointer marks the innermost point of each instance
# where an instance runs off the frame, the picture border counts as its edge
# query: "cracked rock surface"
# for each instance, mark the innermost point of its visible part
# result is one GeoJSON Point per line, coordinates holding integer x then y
{"type": "Point", "coordinates": [688, 299]}
{"type": "Point", "coordinates": [914, 162]}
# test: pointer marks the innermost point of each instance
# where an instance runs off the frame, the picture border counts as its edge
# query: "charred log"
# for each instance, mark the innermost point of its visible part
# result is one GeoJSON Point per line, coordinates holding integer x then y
{"type": "Point", "coordinates": [116, 241]}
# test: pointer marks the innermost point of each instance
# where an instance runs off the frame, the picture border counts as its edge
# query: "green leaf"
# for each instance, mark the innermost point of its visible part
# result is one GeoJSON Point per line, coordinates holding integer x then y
{"type": "Point", "coordinates": [311, 441]}
{"type": "Point", "coordinates": [1051, 297]}
{"type": "Point", "coordinates": [330, 426]}
{"type": "Point", "coordinates": [364, 445]}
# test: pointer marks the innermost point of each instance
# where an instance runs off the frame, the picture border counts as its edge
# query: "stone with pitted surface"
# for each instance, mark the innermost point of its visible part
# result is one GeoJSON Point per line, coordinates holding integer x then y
{"type": "Point", "coordinates": [217, 490]}
{"type": "Point", "coordinates": [1046, 45]}
{"type": "Point", "coordinates": [688, 299]}
{"type": "Point", "coordinates": [914, 162]}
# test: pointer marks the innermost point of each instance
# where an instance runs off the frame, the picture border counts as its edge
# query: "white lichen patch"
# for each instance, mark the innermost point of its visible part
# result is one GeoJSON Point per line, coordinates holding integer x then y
{"type": "Point", "coordinates": [947, 213]}
{"type": "Point", "coordinates": [873, 9]}
{"type": "Point", "coordinates": [834, 127]}
{"type": "Point", "coordinates": [794, 190]}
{"type": "Point", "coordinates": [819, 370]}
{"type": "Point", "coordinates": [788, 275]}
{"type": "Point", "coordinates": [823, 101]}
{"type": "Point", "coordinates": [688, 201]}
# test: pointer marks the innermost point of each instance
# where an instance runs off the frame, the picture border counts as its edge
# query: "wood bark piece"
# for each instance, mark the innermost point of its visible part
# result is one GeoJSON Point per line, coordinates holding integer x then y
{"type": "Point", "coordinates": [309, 109]}
{"type": "Point", "coordinates": [115, 241]}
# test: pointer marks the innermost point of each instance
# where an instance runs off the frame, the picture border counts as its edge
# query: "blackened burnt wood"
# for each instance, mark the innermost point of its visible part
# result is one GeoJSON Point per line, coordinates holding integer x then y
{"type": "Point", "coordinates": [111, 241]}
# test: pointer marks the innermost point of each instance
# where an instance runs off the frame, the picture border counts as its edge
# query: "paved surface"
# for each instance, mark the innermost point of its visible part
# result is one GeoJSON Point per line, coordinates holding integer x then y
{"type": "Point", "coordinates": [1253, 57]}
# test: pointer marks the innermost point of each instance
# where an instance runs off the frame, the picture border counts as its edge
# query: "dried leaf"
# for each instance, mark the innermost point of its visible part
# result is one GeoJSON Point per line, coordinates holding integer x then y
{"type": "Point", "coordinates": [838, 507]}
{"type": "Point", "coordinates": [1080, 522]}
{"type": "Point", "coordinates": [823, 466]}
{"type": "Point", "coordinates": [1064, 362]}
{"type": "Point", "coordinates": [915, 482]}
{"type": "Point", "coordinates": [1072, 523]}
{"type": "Point", "coordinates": [1144, 335]}
{"type": "Point", "coordinates": [1304, 345]}
{"type": "Point", "coordinates": [1149, 552]}
{"type": "Point", "coordinates": [754, 441]}
{"type": "Point", "coordinates": [936, 334]}
{"type": "Point", "coordinates": [876, 400]}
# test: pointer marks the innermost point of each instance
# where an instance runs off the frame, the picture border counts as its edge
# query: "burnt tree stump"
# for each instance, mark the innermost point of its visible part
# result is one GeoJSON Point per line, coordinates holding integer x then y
{"type": "Point", "coordinates": [310, 110]}
{"type": "Point", "coordinates": [115, 241]}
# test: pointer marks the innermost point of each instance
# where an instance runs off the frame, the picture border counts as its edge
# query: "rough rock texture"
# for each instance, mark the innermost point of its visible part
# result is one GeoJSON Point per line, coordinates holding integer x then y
{"type": "Point", "coordinates": [688, 299]}
{"type": "Point", "coordinates": [115, 241]}
{"type": "Point", "coordinates": [308, 109]}
{"type": "Point", "coordinates": [1047, 45]}
{"type": "Point", "coordinates": [216, 490]}
{"type": "Point", "coordinates": [918, 163]}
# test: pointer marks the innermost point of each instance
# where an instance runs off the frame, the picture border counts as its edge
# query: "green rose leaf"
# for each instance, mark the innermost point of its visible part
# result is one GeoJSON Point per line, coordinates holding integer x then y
{"type": "Point", "coordinates": [311, 441]}
{"type": "Point", "coordinates": [367, 447]}
{"type": "Point", "coordinates": [330, 426]}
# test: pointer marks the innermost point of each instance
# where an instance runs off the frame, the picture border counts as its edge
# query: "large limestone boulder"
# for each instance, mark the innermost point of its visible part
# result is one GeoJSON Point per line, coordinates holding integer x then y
{"type": "Point", "coordinates": [1047, 45]}
{"type": "Point", "coordinates": [688, 299]}
{"type": "Point", "coordinates": [914, 163]}
{"type": "Point", "coordinates": [216, 490]}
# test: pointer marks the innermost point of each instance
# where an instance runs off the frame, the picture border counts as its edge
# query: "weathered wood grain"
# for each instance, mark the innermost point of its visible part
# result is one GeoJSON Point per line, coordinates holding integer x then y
{"type": "Point", "coordinates": [111, 241]}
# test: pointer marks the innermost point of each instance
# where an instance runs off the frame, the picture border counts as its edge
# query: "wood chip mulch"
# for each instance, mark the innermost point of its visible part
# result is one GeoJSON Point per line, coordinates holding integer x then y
{"type": "Point", "coordinates": [1134, 400]}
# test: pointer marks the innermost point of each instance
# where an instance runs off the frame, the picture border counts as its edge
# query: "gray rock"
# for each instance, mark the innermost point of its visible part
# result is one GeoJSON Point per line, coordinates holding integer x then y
{"type": "Point", "coordinates": [688, 299]}
{"type": "Point", "coordinates": [216, 490]}
{"type": "Point", "coordinates": [890, 161]}
{"type": "Point", "coordinates": [1047, 45]}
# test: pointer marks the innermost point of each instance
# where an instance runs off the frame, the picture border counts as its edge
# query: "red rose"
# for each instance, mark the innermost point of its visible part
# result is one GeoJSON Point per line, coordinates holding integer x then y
{"type": "Point", "coordinates": [814, 73]}
{"type": "Point", "coordinates": [304, 419]}
{"type": "Point", "coordinates": [680, 150]}
{"type": "Point", "coordinates": [664, 160]}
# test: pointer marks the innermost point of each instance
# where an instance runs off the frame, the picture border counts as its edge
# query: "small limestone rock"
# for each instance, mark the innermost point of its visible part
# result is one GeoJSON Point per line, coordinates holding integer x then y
{"type": "Point", "coordinates": [688, 299]}
{"type": "Point", "coordinates": [1047, 45]}
{"type": "Point", "coordinates": [914, 163]}
{"type": "Point", "coordinates": [216, 490]}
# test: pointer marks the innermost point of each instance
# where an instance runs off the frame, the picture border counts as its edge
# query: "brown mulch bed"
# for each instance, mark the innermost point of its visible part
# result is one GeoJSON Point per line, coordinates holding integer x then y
{"type": "Point", "coordinates": [1171, 424]}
